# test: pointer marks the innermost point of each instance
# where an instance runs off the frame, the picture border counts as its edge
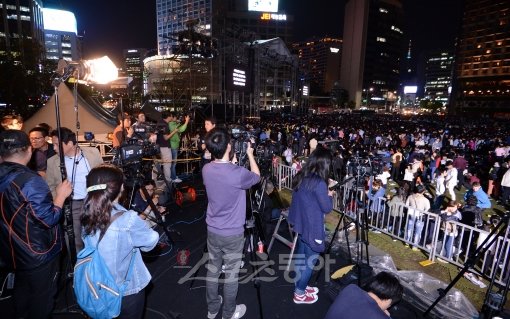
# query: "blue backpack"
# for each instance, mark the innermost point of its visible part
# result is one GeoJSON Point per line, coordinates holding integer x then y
{"type": "Point", "coordinates": [94, 286]}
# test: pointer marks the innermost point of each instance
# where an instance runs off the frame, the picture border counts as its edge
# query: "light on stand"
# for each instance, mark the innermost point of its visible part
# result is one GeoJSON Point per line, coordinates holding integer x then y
{"type": "Point", "coordinates": [101, 70]}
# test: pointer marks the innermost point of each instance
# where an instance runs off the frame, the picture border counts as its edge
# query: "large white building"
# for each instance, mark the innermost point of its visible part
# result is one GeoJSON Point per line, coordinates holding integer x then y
{"type": "Point", "coordinates": [61, 35]}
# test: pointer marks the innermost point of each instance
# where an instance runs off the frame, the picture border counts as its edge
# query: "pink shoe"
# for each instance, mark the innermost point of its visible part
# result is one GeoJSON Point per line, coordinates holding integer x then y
{"type": "Point", "coordinates": [305, 298]}
{"type": "Point", "coordinates": [312, 290]}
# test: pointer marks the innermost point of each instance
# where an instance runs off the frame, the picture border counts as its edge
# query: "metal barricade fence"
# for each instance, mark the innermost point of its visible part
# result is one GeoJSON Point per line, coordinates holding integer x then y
{"type": "Point", "coordinates": [419, 229]}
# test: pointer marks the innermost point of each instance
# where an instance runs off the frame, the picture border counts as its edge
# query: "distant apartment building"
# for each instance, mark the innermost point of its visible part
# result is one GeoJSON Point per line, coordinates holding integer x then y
{"type": "Point", "coordinates": [21, 28]}
{"type": "Point", "coordinates": [61, 35]}
{"type": "Point", "coordinates": [438, 76]}
{"type": "Point", "coordinates": [319, 63]}
{"type": "Point", "coordinates": [482, 70]}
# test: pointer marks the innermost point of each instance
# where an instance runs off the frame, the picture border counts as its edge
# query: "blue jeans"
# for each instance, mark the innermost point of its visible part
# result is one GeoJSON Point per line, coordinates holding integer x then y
{"type": "Point", "coordinates": [438, 202]}
{"type": "Point", "coordinates": [415, 224]}
{"type": "Point", "coordinates": [448, 246]}
{"type": "Point", "coordinates": [305, 259]}
{"type": "Point", "coordinates": [226, 250]}
{"type": "Point", "coordinates": [173, 173]}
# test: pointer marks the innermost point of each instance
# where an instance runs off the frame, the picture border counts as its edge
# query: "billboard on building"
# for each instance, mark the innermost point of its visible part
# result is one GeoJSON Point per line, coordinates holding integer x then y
{"type": "Point", "coordinates": [237, 78]}
{"type": "Point", "coordinates": [59, 20]}
{"type": "Point", "coordinates": [263, 5]}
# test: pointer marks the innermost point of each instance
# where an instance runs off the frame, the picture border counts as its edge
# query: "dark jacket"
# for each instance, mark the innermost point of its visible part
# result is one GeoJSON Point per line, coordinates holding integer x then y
{"type": "Point", "coordinates": [310, 202]}
{"type": "Point", "coordinates": [30, 234]}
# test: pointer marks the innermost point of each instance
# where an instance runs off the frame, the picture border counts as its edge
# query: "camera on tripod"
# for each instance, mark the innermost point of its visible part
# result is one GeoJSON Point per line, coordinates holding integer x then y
{"type": "Point", "coordinates": [240, 139]}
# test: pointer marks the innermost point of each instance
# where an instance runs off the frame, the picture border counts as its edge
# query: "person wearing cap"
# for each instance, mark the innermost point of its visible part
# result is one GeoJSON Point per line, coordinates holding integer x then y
{"type": "Point", "coordinates": [30, 233]}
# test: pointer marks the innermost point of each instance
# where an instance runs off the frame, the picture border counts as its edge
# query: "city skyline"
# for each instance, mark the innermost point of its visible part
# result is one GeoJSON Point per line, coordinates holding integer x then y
{"type": "Point", "coordinates": [108, 27]}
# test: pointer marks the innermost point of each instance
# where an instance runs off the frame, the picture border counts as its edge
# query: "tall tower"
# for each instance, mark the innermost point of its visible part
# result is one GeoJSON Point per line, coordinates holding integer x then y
{"type": "Point", "coordinates": [372, 49]}
{"type": "Point", "coordinates": [483, 58]}
{"type": "Point", "coordinates": [438, 76]}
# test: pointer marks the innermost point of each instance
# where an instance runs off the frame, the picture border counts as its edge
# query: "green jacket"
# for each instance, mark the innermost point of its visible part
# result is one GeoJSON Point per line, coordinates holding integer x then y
{"type": "Point", "coordinates": [175, 140]}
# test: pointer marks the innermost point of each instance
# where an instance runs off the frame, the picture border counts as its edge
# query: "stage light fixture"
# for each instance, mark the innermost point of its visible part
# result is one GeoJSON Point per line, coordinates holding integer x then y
{"type": "Point", "coordinates": [100, 71]}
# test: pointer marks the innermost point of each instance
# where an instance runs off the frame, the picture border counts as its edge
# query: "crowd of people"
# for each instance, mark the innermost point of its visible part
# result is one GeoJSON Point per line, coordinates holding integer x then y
{"type": "Point", "coordinates": [422, 157]}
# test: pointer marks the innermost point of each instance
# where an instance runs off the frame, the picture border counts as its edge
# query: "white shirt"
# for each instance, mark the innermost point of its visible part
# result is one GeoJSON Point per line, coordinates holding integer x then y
{"type": "Point", "coordinates": [79, 178]}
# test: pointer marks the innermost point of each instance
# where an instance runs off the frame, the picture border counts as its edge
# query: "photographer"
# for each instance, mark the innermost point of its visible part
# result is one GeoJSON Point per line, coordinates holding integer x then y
{"type": "Point", "coordinates": [175, 141]}
{"type": "Point", "coordinates": [123, 131]}
{"type": "Point", "coordinates": [162, 139]}
{"type": "Point", "coordinates": [141, 203]}
{"type": "Point", "coordinates": [78, 163]}
{"type": "Point", "coordinates": [30, 233]}
{"type": "Point", "coordinates": [209, 124]}
{"type": "Point", "coordinates": [225, 184]}
{"type": "Point", "coordinates": [142, 130]}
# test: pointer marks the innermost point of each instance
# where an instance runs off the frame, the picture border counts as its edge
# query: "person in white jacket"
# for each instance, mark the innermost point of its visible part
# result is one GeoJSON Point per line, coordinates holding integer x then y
{"type": "Point", "coordinates": [451, 179]}
{"type": "Point", "coordinates": [505, 185]}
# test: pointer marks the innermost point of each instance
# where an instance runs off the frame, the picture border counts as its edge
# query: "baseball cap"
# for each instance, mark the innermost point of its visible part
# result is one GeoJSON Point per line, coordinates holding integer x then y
{"type": "Point", "coordinates": [11, 139]}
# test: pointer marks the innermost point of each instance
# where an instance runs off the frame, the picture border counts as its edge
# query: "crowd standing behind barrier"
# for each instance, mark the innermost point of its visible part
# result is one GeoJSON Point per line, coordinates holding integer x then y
{"type": "Point", "coordinates": [478, 149]}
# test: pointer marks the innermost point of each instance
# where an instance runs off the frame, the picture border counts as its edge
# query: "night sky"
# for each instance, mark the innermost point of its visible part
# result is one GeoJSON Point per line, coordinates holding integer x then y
{"type": "Point", "coordinates": [111, 26]}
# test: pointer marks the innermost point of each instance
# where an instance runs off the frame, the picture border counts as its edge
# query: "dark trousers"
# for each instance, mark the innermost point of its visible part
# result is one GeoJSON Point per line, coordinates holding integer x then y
{"type": "Point", "coordinates": [35, 290]}
{"type": "Point", "coordinates": [133, 306]}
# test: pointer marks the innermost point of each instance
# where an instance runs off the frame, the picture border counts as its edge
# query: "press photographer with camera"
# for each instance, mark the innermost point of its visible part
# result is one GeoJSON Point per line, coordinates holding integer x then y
{"type": "Point", "coordinates": [175, 141]}
{"type": "Point", "coordinates": [225, 184]}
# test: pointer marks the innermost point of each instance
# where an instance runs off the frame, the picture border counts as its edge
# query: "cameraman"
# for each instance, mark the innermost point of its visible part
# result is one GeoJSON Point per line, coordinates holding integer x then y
{"type": "Point", "coordinates": [225, 184]}
{"type": "Point", "coordinates": [209, 124]}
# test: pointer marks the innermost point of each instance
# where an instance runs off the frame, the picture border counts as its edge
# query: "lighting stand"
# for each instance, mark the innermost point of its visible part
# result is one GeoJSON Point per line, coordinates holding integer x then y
{"type": "Point", "coordinates": [489, 307]}
{"type": "Point", "coordinates": [68, 215]}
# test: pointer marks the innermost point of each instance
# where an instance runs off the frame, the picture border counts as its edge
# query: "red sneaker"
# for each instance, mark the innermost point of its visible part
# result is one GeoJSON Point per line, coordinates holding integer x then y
{"type": "Point", "coordinates": [312, 290]}
{"type": "Point", "coordinates": [305, 298]}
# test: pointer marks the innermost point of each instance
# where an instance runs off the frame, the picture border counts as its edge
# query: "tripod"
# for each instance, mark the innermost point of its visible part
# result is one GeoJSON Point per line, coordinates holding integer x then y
{"type": "Point", "coordinates": [157, 219]}
{"type": "Point", "coordinates": [490, 306]}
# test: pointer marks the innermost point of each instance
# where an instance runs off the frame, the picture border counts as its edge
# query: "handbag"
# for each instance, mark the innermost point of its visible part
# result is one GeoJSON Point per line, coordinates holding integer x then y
{"type": "Point", "coordinates": [95, 288]}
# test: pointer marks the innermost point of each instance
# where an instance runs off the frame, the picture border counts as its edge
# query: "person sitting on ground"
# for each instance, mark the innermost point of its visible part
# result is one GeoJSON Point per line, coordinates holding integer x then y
{"type": "Point", "coordinates": [373, 301]}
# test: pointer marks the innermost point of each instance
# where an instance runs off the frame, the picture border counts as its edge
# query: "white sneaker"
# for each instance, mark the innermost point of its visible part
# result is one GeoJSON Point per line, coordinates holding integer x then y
{"type": "Point", "coordinates": [239, 312]}
{"type": "Point", "coordinates": [177, 180]}
{"type": "Point", "coordinates": [213, 315]}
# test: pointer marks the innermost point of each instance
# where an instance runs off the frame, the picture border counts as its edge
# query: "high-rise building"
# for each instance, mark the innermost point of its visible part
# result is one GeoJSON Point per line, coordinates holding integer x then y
{"type": "Point", "coordinates": [438, 76]}
{"type": "Point", "coordinates": [133, 66]}
{"type": "Point", "coordinates": [482, 67]}
{"type": "Point", "coordinates": [246, 20]}
{"type": "Point", "coordinates": [319, 63]}
{"type": "Point", "coordinates": [223, 36]}
{"type": "Point", "coordinates": [61, 35]}
{"type": "Point", "coordinates": [174, 16]}
{"type": "Point", "coordinates": [21, 28]}
{"type": "Point", "coordinates": [372, 50]}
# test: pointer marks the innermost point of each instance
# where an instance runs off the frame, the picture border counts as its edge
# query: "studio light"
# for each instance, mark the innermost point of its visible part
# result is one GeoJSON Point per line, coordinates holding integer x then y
{"type": "Point", "coordinates": [100, 71]}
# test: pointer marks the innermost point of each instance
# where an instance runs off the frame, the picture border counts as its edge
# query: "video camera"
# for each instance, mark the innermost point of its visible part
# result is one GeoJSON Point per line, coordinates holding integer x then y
{"type": "Point", "coordinates": [240, 139]}
{"type": "Point", "coordinates": [135, 150]}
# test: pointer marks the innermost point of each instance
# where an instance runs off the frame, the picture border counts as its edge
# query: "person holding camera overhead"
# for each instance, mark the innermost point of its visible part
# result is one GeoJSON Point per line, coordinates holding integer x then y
{"type": "Point", "coordinates": [311, 201]}
{"type": "Point", "coordinates": [175, 141]}
{"type": "Point", "coordinates": [226, 186]}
